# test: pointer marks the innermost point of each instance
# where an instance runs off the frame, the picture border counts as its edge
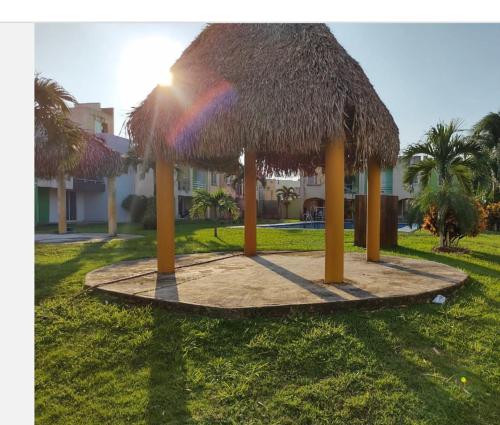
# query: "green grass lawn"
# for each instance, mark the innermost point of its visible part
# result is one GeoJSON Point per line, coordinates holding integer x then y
{"type": "Point", "coordinates": [100, 360]}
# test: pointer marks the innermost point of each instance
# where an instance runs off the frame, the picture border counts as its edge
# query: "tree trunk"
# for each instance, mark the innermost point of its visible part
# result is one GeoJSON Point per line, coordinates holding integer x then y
{"type": "Point", "coordinates": [216, 218]}
{"type": "Point", "coordinates": [61, 204]}
{"type": "Point", "coordinates": [442, 240]}
{"type": "Point", "coordinates": [112, 226]}
{"type": "Point", "coordinates": [286, 211]}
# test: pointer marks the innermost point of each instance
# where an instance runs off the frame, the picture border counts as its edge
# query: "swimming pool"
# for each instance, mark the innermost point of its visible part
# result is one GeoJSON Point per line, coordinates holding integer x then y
{"type": "Point", "coordinates": [348, 224]}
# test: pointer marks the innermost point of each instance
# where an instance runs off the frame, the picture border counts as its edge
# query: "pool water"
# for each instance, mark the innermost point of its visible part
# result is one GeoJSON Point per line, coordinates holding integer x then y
{"type": "Point", "coordinates": [348, 224]}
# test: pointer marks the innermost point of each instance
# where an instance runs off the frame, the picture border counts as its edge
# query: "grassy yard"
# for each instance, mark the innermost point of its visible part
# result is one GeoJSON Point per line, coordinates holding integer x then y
{"type": "Point", "coordinates": [102, 361]}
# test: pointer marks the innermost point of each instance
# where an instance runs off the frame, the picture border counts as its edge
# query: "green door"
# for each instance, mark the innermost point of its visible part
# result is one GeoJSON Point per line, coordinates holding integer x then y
{"type": "Point", "coordinates": [43, 205]}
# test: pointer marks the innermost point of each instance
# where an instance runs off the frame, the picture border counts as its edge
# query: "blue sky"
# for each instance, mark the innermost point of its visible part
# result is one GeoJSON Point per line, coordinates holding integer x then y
{"type": "Point", "coordinates": [424, 73]}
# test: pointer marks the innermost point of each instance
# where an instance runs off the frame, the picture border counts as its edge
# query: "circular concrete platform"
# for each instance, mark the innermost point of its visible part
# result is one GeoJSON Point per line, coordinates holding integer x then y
{"type": "Point", "coordinates": [274, 283]}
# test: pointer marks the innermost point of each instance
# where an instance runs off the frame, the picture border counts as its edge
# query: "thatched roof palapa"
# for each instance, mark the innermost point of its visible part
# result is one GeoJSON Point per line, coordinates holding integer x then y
{"type": "Point", "coordinates": [95, 161]}
{"type": "Point", "coordinates": [283, 90]}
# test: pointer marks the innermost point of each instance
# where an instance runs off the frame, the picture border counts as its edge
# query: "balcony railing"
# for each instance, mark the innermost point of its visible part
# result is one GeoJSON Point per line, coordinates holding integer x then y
{"type": "Point", "coordinates": [89, 185]}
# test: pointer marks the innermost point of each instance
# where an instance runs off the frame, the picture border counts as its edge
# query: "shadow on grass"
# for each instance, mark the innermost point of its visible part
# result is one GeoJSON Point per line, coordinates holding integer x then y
{"type": "Point", "coordinates": [85, 257]}
{"type": "Point", "coordinates": [404, 349]}
{"type": "Point", "coordinates": [167, 387]}
{"type": "Point", "coordinates": [451, 260]}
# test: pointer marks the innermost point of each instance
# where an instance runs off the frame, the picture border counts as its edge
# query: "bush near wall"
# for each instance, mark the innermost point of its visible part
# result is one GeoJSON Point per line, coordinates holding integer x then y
{"type": "Point", "coordinates": [136, 206]}
{"type": "Point", "coordinates": [149, 219]}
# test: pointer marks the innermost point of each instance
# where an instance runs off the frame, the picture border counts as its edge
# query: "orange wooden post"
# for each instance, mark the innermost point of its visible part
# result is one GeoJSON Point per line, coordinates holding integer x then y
{"type": "Point", "coordinates": [334, 212]}
{"type": "Point", "coordinates": [165, 216]}
{"type": "Point", "coordinates": [250, 204]}
{"type": "Point", "coordinates": [373, 213]}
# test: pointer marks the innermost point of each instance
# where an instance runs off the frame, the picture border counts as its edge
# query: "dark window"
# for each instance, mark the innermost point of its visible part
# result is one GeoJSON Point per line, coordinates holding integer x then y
{"type": "Point", "coordinates": [70, 205]}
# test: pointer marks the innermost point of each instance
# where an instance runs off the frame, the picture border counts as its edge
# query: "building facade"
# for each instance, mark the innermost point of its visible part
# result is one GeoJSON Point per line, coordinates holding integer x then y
{"type": "Point", "coordinates": [312, 190]}
{"type": "Point", "coordinates": [86, 199]}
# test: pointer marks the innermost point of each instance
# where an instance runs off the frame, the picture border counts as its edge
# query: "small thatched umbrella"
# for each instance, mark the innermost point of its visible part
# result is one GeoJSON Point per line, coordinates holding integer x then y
{"type": "Point", "coordinates": [96, 160]}
{"type": "Point", "coordinates": [290, 97]}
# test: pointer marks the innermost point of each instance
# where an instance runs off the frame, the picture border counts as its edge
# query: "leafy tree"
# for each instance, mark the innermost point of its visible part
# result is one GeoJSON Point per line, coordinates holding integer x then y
{"type": "Point", "coordinates": [487, 132]}
{"type": "Point", "coordinates": [219, 201]}
{"type": "Point", "coordinates": [239, 178]}
{"type": "Point", "coordinates": [285, 195]}
{"type": "Point", "coordinates": [448, 212]}
{"type": "Point", "coordinates": [448, 153]}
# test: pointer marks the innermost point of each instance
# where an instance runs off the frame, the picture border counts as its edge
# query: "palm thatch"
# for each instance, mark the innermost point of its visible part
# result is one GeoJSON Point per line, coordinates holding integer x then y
{"type": "Point", "coordinates": [148, 135]}
{"type": "Point", "coordinates": [95, 160]}
{"type": "Point", "coordinates": [98, 160]}
{"type": "Point", "coordinates": [283, 90]}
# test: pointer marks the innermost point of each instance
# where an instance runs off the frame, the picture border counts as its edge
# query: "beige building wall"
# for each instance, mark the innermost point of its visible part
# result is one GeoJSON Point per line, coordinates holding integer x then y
{"type": "Point", "coordinates": [92, 118]}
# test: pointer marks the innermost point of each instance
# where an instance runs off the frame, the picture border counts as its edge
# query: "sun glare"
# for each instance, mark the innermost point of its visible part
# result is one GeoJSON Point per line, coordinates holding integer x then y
{"type": "Point", "coordinates": [166, 80]}
{"type": "Point", "coordinates": [145, 63]}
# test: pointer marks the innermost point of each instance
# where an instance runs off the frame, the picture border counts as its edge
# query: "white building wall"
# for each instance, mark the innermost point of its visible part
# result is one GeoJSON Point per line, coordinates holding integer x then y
{"type": "Point", "coordinates": [53, 183]}
{"type": "Point", "coordinates": [125, 185]}
{"type": "Point", "coordinates": [144, 186]}
{"type": "Point", "coordinates": [95, 206]}
{"type": "Point", "coordinates": [80, 206]}
{"type": "Point", "coordinates": [397, 185]}
{"type": "Point", "coordinates": [53, 216]}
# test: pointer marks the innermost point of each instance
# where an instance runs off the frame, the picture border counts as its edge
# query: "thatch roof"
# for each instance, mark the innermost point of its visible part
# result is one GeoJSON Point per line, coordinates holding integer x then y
{"type": "Point", "coordinates": [96, 160]}
{"type": "Point", "coordinates": [284, 90]}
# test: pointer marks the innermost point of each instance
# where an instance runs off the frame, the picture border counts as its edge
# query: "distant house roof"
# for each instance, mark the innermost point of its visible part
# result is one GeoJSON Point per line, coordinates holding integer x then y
{"type": "Point", "coordinates": [117, 143]}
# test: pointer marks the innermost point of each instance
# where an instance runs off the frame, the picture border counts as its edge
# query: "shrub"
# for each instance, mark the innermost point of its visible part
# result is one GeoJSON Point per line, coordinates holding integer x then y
{"type": "Point", "coordinates": [448, 212]}
{"type": "Point", "coordinates": [493, 216]}
{"type": "Point", "coordinates": [136, 206]}
{"type": "Point", "coordinates": [149, 220]}
{"type": "Point", "coordinates": [454, 228]}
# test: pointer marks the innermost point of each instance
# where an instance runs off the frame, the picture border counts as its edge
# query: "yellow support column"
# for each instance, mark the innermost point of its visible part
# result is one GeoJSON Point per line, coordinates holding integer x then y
{"type": "Point", "coordinates": [250, 204]}
{"type": "Point", "coordinates": [112, 223]}
{"type": "Point", "coordinates": [334, 212]}
{"type": "Point", "coordinates": [373, 213]}
{"type": "Point", "coordinates": [61, 204]}
{"type": "Point", "coordinates": [165, 216]}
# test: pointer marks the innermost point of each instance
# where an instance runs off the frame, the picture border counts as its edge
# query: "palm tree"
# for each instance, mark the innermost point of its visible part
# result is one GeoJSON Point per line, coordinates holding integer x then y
{"type": "Point", "coordinates": [448, 212]}
{"type": "Point", "coordinates": [286, 194]}
{"type": "Point", "coordinates": [61, 139]}
{"type": "Point", "coordinates": [449, 155]}
{"type": "Point", "coordinates": [221, 202]}
{"type": "Point", "coordinates": [487, 132]}
{"type": "Point", "coordinates": [50, 100]}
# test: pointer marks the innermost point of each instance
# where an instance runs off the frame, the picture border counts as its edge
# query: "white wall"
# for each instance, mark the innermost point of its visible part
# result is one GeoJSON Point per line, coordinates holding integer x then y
{"type": "Point", "coordinates": [95, 206]}
{"type": "Point", "coordinates": [53, 216]}
{"type": "Point", "coordinates": [125, 185]}
{"type": "Point", "coordinates": [53, 183]}
{"type": "Point", "coordinates": [144, 186]}
{"type": "Point", "coordinates": [80, 206]}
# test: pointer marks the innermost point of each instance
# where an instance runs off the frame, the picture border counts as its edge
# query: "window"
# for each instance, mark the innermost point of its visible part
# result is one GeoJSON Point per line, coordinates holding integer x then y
{"type": "Point", "coordinates": [313, 180]}
{"type": "Point", "coordinates": [97, 126]}
{"type": "Point", "coordinates": [70, 205]}
{"type": "Point", "coordinates": [386, 181]}
{"type": "Point", "coordinates": [213, 178]}
{"type": "Point", "coordinates": [183, 180]}
{"type": "Point", "coordinates": [350, 184]}
{"type": "Point", "coordinates": [200, 179]}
